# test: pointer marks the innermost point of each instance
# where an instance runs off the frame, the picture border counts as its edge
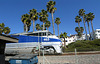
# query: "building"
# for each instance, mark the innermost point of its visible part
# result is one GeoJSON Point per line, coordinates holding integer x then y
{"type": "Point", "coordinates": [73, 38]}
{"type": "Point", "coordinates": [96, 34]}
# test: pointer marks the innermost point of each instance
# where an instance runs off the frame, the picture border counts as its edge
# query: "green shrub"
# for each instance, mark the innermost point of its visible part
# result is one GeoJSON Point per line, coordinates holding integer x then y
{"type": "Point", "coordinates": [83, 46]}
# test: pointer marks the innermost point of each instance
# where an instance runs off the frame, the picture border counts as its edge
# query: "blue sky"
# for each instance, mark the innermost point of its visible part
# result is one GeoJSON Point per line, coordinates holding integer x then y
{"type": "Point", "coordinates": [12, 10]}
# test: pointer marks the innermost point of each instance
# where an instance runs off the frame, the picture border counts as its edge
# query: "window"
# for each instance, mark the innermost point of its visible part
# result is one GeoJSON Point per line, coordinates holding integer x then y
{"type": "Point", "coordinates": [65, 41]}
{"type": "Point", "coordinates": [96, 37]}
{"type": "Point", "coordinates": [44, 34]}
{"type": "Point", "coordinates": [49, 33]}
{"type": "Point", "coordinates": [34, 34]}
{"type": "Point", "coordinates": [40, 34]}
{"type": "Point", "coordinates": [98, 31]}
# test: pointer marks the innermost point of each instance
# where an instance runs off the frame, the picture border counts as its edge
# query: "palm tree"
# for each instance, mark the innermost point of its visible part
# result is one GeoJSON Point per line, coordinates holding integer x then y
{"type": "Point", "coordinates": [27, 22]}
{"type": "Point", "coordinates": [87, 16]}
{"type": "Point", "coordinates": [22, 19]}
{"type": "Point", "coordinates": [79, 31]}
{"type": "Point", "coordinates": [6, 30]}
{"type": "Point", "coordinates": [51, 9]}
{"type": "Point", "coordinates": [91, 19]}
{"type": "Point", "coordinates": [47, 24]}
{"type": "Point", "coordinates": [3, 29]}
{"type": "Point", "coordinates": [82, 29]}
{"type": "Point", "coordinates": [33, 16]}
{"type": "Point", "coordinates": [82, 14]}
{"type": "Point", "coordinates": [38, 27]}
{"type": "Point", "coordinates": [2, 25]}
{"type": "Point", "coordinates": [57, 21]}
{"type": "Point", "coordinates": [41, 27]}
{"type": "Point", "coordinates": [64, 35]}
{"type": "Point", "coordinates": [78, 20]}
{"type": "Point", "coordinates": [43, 17]}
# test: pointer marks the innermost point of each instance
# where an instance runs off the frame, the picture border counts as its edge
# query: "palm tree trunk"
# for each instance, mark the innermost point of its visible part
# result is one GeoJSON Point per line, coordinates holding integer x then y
{"type": "Point", "coordinates": [43, 26]}
{"type": "Point", "coordinates": [26, 28]}
{"type": "Point", "coordinates": [58, 30]}
{"type": "Point", "coordinates": [33, 25]}
{"type": "Point", "coordinates": [53, 24]}
{"type": "Point", "coordinates": [64, 43]}
{"type": "Point", "coordinates": [79, 25]}
{"type": "Point", "coordinates": [92, 30]}
{"type": "Point", "coordinates": [47, 28]}
{"type": "Point", "coordinates": [85, 28]}
{"type": "Point", "coordinates": [89, 30]}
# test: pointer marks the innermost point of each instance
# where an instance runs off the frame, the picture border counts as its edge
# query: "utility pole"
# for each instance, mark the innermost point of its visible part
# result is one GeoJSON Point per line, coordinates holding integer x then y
{"type": "Point", "coordinates": [76, 59]}
{"type": "Point", "coordinates": [38, 44]}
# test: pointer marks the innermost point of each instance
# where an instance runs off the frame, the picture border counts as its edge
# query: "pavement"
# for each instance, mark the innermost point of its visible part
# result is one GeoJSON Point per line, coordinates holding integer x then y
{"type": "Point", "coordinates": [71, 59]}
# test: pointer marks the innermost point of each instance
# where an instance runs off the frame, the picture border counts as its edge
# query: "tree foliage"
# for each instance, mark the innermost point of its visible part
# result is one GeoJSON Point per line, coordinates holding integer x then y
{"type": "Point", "coordinates": [79, 31]}
{"type": "Point", "coordinates": [81, 12]}
{"type": "Point", "coordinates": [64, 35]}
{"type": "Point", "coordinates": [47, 24]}
{"type": "Point", "coordinates": [38, 27]}
{"type": "Point", "coordinates": [42, 27]}
{"type": "Point", "coordinates": [43, 15]}
{"type": "Point", "coordinates": [50, 6]}
{"type": "Point", "coordinates": [57, 21]}
{"type": "Point", "coordinates": [3, 29]}
{"type": "Point", "coordinates": [33, 14]}
{"type": "Point", "coordinates": [27, 22]}
{"type": "Point", "coordinates": [78, 19]}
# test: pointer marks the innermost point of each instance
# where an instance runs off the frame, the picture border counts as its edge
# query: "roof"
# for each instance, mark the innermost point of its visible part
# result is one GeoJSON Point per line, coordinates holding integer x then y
{"type": "Point", "coordinates": [7, 39]}
{"type": "Point", "coordinates": [30, 32]}
{"type": "Point", "coordinates": [97, 30]}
